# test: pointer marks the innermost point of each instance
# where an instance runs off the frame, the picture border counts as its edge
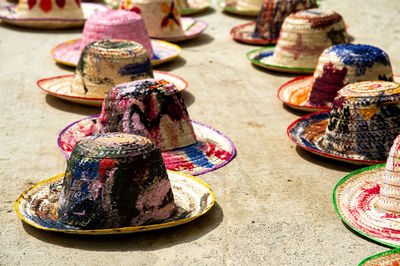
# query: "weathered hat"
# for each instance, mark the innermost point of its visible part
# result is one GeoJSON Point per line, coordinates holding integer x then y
{"type": "Point", "coordinates": [269, 22]}
{"type": "Point", "coordinates": [102, 65]}
{"type": "Point", "coordinates": [163, 20]}
{"type": "Point", "coordinates": [360, 128]}
{"type": "Point", "coordinates": [115, 24]}
{"type": "Point", "coordinates": [154, 108]}
{"type": "Point", "coordinates": [337, 66]}
{"type": "Point", "coordinates": [368, 200]}
{"type": "Point", "coordinates": [104, 173]}
{"type": "Point", "coordinates": [49, 14]}
{"type": "Point", "coordinates": [303, 37]}
{"type": "Point", "coordinates": [387, 258]}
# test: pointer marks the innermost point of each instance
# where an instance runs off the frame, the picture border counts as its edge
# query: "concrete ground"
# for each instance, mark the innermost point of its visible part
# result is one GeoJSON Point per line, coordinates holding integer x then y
{"type": "Point", "coordinates": [273, 201]}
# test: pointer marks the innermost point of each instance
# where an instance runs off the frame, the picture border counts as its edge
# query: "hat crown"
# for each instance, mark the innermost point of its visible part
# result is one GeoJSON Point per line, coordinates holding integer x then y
{"type": "Point", "coordinates": [56, 9]}
{"type": "Point", "coordinates": [153, 108]}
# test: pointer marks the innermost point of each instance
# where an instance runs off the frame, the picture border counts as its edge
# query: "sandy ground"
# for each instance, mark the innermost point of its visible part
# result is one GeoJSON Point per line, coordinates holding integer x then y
{"type": "Point", "coordinates": [273, 201]}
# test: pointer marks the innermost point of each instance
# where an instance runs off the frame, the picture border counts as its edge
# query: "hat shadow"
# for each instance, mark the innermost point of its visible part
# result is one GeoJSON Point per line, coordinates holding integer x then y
{"type": "Point", "coordinates": [327, 162]}
{"type": "Point", "coordinates": [210, 10]}
{"type": "Point", "coordinates": [65, 67]}
{"type": "Point", "coordinates": [202, 39]}
{"type": "Point", "coordinates": [276, 73]}
{"type": "Point", "coordinates": [168, 66]}
{"type": "Point", "coordinates": [362, 236]}
{"type": "Point", "coordinates": [47, 31]}
{"type": "Point", "coordinates": [144, 241]}
{"type": "Point", "coordinates": [71, 107]}
{"type": "Point", "coordinates": [188, 98]}
{"type": "Point", "coordinates": [295, 111]}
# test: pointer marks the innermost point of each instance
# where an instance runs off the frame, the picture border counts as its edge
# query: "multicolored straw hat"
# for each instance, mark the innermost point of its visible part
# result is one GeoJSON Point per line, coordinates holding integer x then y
{"type": "Point", "coordinates": [368, 200]}
{"type": "Point", "coordinates": [241, 7]}
{"type": "Point", "coordinates": [360, 128]}
{"type": "Point", "coordinates": [304, 36]}
{"type": "Point", "coordinates": [104, 173]}
{"type": "Point", "coordinates": [163, 20]}
{"type": "Point", "coordinates": [102, 65]}
{"type": "Point", "coordinates": [337, 66]}
{"type": "Point", "coordinates": [115, 24]}
{"type": "Point", "coordinates": [387, 258]}
{"type": "Point", "coordinates": [155, 109]}
{"type": "Point", "coordinates": [269, 22]}
{"type": "Point", "coordinates": [49, 14]}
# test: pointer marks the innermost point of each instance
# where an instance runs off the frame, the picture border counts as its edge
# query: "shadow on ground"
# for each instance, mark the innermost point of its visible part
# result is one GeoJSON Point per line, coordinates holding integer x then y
{"type": "Point", "coordinates": [71, 107]}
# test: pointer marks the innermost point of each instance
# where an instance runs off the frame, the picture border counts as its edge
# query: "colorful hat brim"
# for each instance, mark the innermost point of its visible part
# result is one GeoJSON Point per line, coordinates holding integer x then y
{"type": "Point", "coordinates": [315, 123]}
{"type": "Point", "coordinates": [7, 15]}
{"type": "Point", "coordinates": [195, 7]}
{"type": "Point", "coordinates": [384, 258]}
{"type": "Point", "coordinates": [354, 199]}
{"type": "Point", "coordinates": [232, 10]}
{"type": "Point", "coordinates": [192, 196]}
{"type": "Point", "coordinates": [243, 33]}
{"type": "Point", "coordinates": [295, 92]}
{"type": "Point", "coordinates": [262, 57]}
{"type": "Point", "coordinates": [60, 87]}
{"type": "Point", "coordinates": [192, 27]}
{"type": "Point", "coordinates": [68, 53]}
{"type": "Point", "coordinates": [212, 150]}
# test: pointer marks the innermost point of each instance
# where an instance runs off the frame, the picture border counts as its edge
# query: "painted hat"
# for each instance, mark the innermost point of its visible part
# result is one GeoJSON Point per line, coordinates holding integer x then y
{"type": "Point", "coordinates": [360, 128]}
{"type": "Point", "coordinates": [337, 66]}
{"type": "Point", "coordinates": [163, 20]}
{"type": "Point", "coordinates": [387, 258]}
{"type": "Point", "coordinates": [303, 37]}
{"type": "Point", "coordinates": [368, 200]}
{"type": "Point", "coordinates": [269, 22]}
{"type": "Point", "coordinates": [49, 14]}
{"type": "Point", "coordinates": [115, 24]}
{"type": "Point", "coordinates": [102, 65]}
{"type": "Point", "coordinates": [154, 108]}
{"type": "Point", "coordinates": [104, 173]}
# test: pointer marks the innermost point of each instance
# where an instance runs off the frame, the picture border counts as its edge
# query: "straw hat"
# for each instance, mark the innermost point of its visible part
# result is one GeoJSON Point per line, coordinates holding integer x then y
{"type": "Point", "coordinates": [49, 14]}
{"type": "Point", "coordinates": [241, 7]}
{"type": "Point", "coordinates": [102, 65]}
{"type": "Point", "coordinates": [155, 109]}
{"type": "Point", "coordinates": [104, 173]}
{"type": "Point", "coordinates": [269, 22]}
{"type": "Point", "coordinates": [368, 200]}
{"type": "Point", "coordinates": [388, 258]}
{"type": "Point", "coordinates": [337, 66]}
{"type": "Point", "coordinates": [304, 36]}
{"type": "Point", "coordinates": [360, 128]}
{"type": "Point", "coordinates": [163, 20]}
{"type": "Point", "coordinates": [115, 24]}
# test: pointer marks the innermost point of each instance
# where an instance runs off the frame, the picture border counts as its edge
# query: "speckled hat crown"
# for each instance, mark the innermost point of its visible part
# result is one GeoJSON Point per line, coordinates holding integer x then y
{"type": "Point", "coordinates": [60, 9]}
{"type": "Point", "coordinates": [151, 108]}
{"type": "Point", "coordinates": [115, 180]}
{"type": "Point", "coordinates": [116, 24]}
{"type": "Point", "coordinates": [305, 35]}
{"type": "Point", "coordinates": [342, 64]}
{"type": "Point", "coordinates": [161, 17]}
{"type": "Point", "coordinates": [273, 13]}
{"type": "Point", "coordinates": [104, 64]}
{"type": "Point", "coordinates": [364, 120]}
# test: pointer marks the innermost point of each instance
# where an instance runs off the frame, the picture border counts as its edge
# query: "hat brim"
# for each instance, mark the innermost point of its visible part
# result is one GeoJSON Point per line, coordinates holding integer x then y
{"type": "Point", "coordinates": [60, 87]}
{"type": "Point", "coordinates": [195, 7]}
{"type": "Point", "coordinates": [243, 33]}
{"type": "Point", "coordinates": [235, 11]}
{"type": "Point", "coordinates": [384, 258]}
{"type": "Point", "coordinates": [307, 132]}
{"type": "Point", "coordinates": [212, 150]}
{"type": "Point", "coordinates": [8, 15]}
{"type": "Point", "coordinates": [192, 27]}
{"type": "Point", "coordinates": [68, 53]}
{"type": "Point", "coordinates": [295, 93]}
{"type": "Point", "coordinates": [354, 199]}
{"type": "Point", "coordinates": [262, 57]}
{"type": "Point", "coordinates": [193, 198]}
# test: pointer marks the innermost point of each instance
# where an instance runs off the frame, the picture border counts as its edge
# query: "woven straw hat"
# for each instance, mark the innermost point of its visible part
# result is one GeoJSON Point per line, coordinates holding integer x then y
{"type": "Point", "coordinates": [337, 66]}
{"type": "Point", "coordinates": [368, 200]}
{"type": "Point", "coordinates": [49, 14]}
{"type": "Point", "coordinates": [163, 20]}
{"type": "Point", "coordinates": [241, 7]}
{"type": "Point", "coordinates": [155, 109]}
{"type": "Point", "coordinates": [115, 24]}
{"type": "Point", "coordinates": [359, 129]}
{"type": "Point", "coordinates": [102, 65]}
{"type": "Point", "coordinates": [269, 22]}
{"type": "Point", "coordinates": [304, 36]}
{"type": "Point", "coordinates": [387, 258]}
{"type": "Point", "coordinates": [105, 172]}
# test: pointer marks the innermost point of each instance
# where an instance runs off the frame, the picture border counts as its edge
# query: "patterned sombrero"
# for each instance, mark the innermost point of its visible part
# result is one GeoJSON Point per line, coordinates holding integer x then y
{"type": "Point", "coordinates": [37, 206]}
{"type": "Point", "coordinates": [9, 15]}
{"type": "Point", "coordinates": [387, 258]}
